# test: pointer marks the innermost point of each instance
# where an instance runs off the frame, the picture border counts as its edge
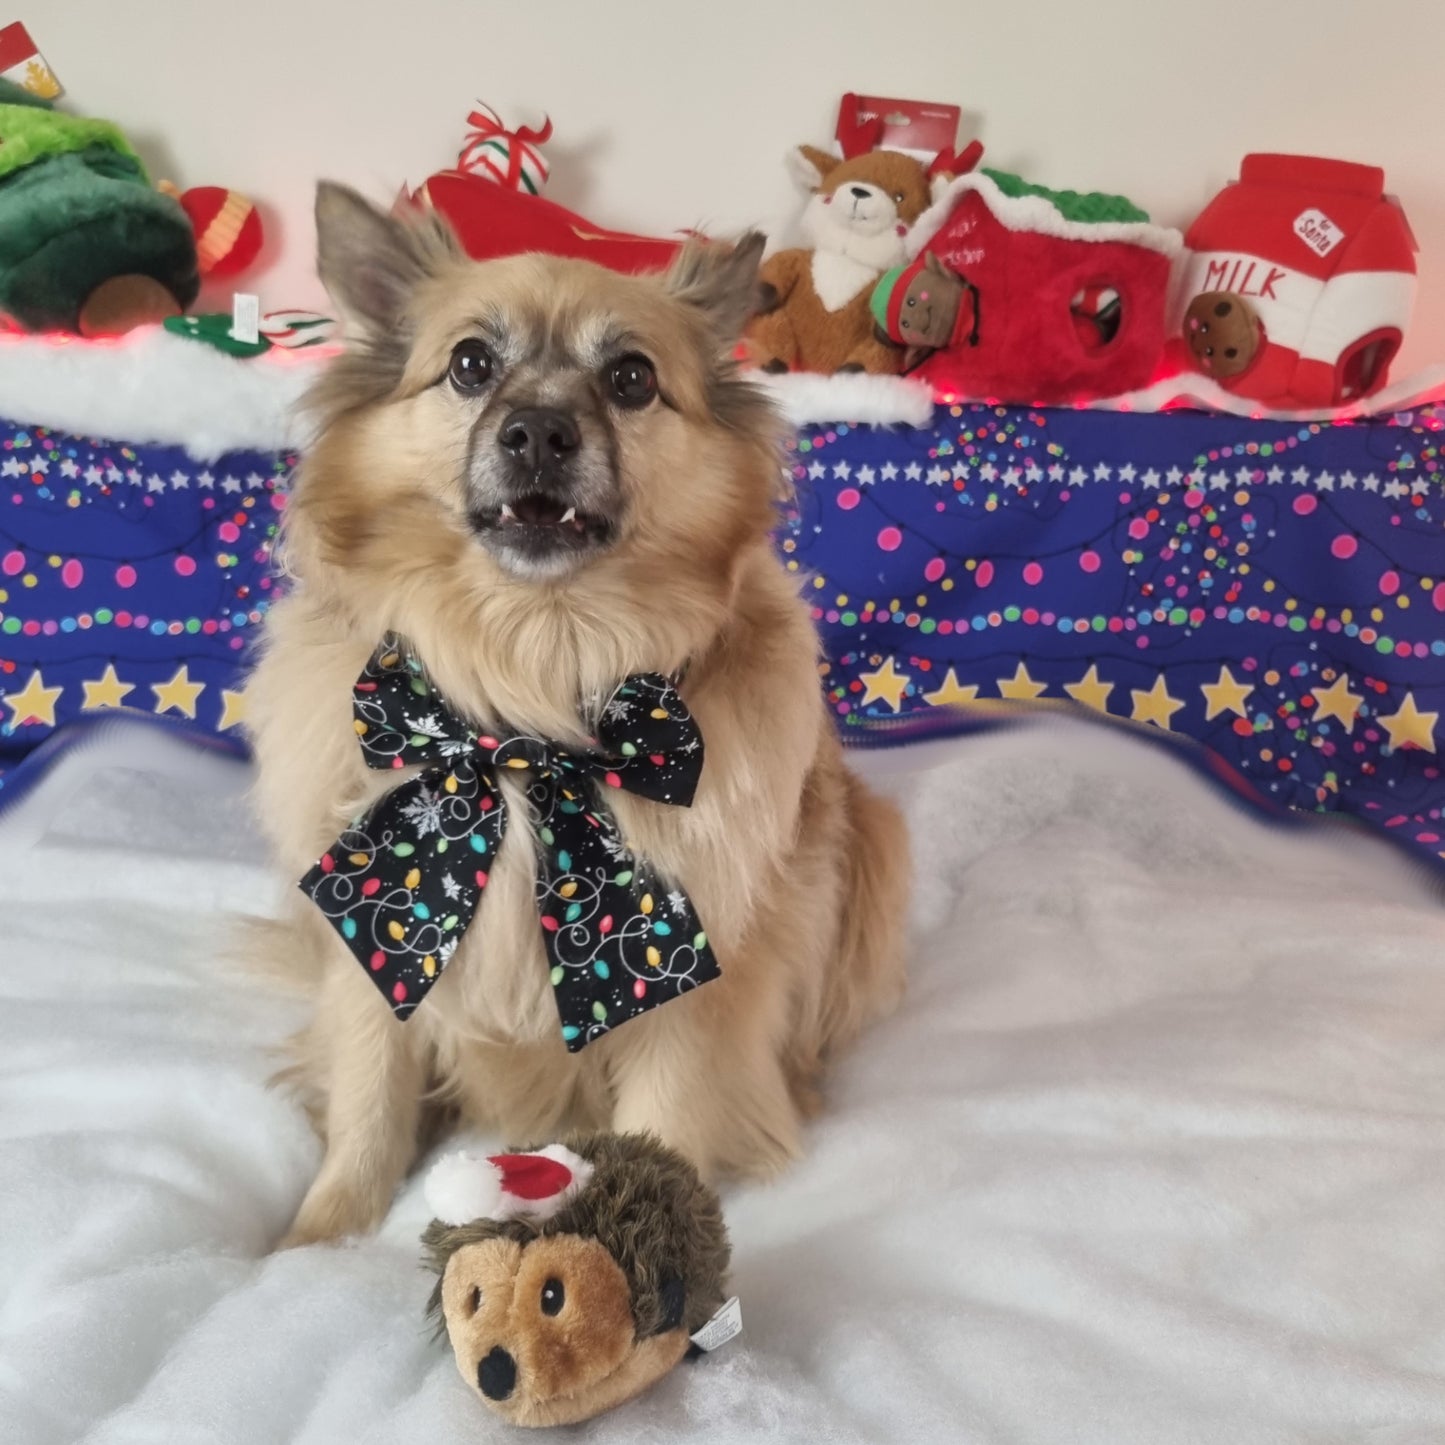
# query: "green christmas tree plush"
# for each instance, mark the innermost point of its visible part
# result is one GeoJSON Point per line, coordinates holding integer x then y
{"type": "Point", "coordinates": [86, 243]}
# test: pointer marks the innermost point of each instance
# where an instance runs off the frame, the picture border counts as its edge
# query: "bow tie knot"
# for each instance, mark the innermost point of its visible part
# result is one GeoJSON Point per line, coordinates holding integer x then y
{"type": "Point", "coordinates": [404, 881]}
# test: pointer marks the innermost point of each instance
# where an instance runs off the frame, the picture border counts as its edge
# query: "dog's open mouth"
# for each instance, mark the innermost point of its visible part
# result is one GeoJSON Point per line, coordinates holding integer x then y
{"type": "Point", "coordinates": [537, 526]}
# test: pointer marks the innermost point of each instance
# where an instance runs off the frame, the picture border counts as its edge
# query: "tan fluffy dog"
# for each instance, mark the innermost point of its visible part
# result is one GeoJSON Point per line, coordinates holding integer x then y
{"type": "Point", "coordinates": [426, 508]}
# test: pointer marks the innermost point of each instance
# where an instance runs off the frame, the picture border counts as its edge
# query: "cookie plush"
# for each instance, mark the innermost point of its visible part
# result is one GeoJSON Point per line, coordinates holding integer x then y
{"type": "Point", "coordinates": [1222, 332]}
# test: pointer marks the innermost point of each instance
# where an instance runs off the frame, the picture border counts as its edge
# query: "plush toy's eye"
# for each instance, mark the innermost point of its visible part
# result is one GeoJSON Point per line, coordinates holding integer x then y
{"type": "Point", "coordinates": [904, 324]}
{"type": "Point", "coordinates": [471, 365]}
{"type": "Point", "coordinates": [913, 301]}
{"type": "Point", "coordinates": [898, 196]}
{"type": "Point", "coordinates": [633, 380]}
{"type": "Point", "coordinates": [553, 1297]}
{"type": "Point", "coordinates": [474, 1300]}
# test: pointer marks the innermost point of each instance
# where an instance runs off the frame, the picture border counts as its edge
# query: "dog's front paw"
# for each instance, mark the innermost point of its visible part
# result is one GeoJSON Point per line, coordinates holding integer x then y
{"type": "Point", "coordinates": [328, 1214]}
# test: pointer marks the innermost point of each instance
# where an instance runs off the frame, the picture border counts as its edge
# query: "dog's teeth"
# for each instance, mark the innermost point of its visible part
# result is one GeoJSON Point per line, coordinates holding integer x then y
{"type": "Point", "coordinates": [570, 514]}
{"type": "Point", "coordinates": [508, 515]}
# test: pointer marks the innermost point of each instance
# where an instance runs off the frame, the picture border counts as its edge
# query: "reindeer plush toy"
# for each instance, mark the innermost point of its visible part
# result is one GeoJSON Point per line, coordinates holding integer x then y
{"type": "Point", "coordinates": [813, 307]}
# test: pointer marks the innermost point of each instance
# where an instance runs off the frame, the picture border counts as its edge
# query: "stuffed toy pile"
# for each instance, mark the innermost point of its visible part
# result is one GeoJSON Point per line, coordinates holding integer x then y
{"type": "Point", "coordinates": [86, 243]}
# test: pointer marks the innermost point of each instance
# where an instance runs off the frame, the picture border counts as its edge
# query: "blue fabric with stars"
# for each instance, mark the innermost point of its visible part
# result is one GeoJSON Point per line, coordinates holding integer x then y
{"type": "Point", "coordinates": [130, 576]}
{"type": "Point", "coordinates": [1273, 590]}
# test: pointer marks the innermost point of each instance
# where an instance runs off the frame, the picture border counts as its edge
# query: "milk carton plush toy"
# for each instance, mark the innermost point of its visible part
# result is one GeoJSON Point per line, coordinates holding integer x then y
{"type": "Point", "coordinates": [1296, 284]}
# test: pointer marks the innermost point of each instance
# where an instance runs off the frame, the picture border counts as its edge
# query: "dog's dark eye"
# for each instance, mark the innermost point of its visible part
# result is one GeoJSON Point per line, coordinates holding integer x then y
{"type": "Point", "coordinates": [633, 381]}
{"type": "Point", "coordinates": [553, 1297]}
{"type": "Point", "coordinates": [471, 365]}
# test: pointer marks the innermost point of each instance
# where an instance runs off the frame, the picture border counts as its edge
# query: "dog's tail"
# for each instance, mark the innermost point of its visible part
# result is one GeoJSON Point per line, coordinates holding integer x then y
{"type": "Point", "coordinates": [273, 952]}
{"type": "Point", "coordinates": [875, 905]}
{"type": "Point", "coordinates": [866, 979]}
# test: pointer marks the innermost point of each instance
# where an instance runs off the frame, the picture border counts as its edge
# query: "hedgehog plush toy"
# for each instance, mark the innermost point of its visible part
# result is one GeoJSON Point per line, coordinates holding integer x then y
{"type": "Point", "coordinates": [573, 1277]}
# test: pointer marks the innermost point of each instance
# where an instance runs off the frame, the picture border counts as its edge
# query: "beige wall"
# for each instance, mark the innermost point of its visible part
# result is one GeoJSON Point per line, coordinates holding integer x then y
{"type": "Point", "coordinates": [676, 114]}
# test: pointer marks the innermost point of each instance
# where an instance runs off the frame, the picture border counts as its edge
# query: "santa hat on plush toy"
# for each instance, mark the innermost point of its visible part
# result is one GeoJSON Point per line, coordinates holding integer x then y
{"type": "Point", "coordinates": [892, 288]}
{"type": "Point", "coordinates": [463, 1187]}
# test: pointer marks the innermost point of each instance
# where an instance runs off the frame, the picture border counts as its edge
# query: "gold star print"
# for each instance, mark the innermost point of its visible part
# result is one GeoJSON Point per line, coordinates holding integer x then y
{"type": "Point", "coordinates": [1410, 725]}
{"type": "Point", "coordinates": [1154, 706]}
{"type": "Point", "coordinates": [1337, 701]}
{"type": "Point", "coordinates": [1020, 687]}
{"type": "Point", "coordinates": [1091, 690]}
{"type": "Point", "coordinates": [1226, 695]}
{"type": "Point", "coordinates": [885, 685]}
{"type": "Point", "coordinates": [105, 691]}
{"type": "Point", "coordinates": [179, 693]}
{"type": "Point", "coordinates": [233, 709]}
{"type": "Point", "coordinates": [950, 693]}
{"type": "Point", "coordinates": [34, 702]}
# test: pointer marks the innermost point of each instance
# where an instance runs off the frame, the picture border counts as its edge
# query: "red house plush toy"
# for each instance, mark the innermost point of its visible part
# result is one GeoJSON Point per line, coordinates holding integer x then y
{"type": "Point", "coordinates": [1069, 291]}
{"type": "Point", "coordinates": [1297, 283]}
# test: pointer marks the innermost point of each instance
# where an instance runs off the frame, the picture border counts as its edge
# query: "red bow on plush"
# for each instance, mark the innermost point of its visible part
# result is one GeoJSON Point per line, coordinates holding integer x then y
{"type": "Point", "coordinates": [493, 148]}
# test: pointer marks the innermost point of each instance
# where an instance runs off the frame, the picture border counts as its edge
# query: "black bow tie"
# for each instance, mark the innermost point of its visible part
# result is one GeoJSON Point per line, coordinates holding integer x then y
{"type": "Point", "coordinates": [403, 882]}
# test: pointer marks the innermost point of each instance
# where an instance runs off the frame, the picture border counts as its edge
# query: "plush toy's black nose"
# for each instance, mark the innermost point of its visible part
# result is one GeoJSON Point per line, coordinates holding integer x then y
{"type": "Point", "coordinates": [538, 436]}
{"type": "Point", "coordinates": [860, 191]}
{"type": "Point", "coordinates": [497, 1374]}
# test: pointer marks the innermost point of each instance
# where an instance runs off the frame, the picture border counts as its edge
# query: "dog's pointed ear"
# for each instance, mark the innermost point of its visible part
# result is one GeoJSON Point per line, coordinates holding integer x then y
{"type": "Point", "coordinates": [721, 281]}
{"type": "Point", "coordinates": [371, 262]}
{"type": "Point", "coordinates": [809, 166]}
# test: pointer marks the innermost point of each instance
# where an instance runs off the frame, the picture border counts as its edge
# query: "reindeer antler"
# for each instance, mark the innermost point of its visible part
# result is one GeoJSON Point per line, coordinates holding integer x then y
{"type": "Point", "coordinates": [952, 163]}
{"type": "Point", "coordinates": [856, 136]}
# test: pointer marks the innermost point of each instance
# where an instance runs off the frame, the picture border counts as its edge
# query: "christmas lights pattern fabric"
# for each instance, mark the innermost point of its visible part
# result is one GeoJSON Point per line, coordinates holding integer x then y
{"type": "Point", "coordinates": [1274, 590]}
{"type": "Point", "coordinates": [131, 577]}
{"type": "Point", "coordinates": [403, 883]}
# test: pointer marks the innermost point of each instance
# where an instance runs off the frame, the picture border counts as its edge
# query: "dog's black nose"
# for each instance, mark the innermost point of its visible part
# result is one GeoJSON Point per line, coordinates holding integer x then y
{"type": "Point", "coordinates": [497, 1374]}
{"type": "Point", "coordinates": [539, 437]}
{"type": "Point", "coordinates": [860, 191]}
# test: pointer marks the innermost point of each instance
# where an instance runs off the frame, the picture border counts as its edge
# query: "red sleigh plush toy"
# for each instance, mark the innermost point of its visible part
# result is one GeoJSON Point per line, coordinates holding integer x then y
{"type": "Point", "coordinates": [491, 200]}
{"type": "Point", "coordinates": [1297, 284]}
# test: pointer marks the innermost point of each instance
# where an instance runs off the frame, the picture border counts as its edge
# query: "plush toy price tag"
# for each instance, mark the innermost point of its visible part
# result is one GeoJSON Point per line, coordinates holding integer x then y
{"type": "Point", "coordinates": [919, 128]}
{"type": "Point", "coordinates": [245, 317]}
{"type": "Point", "coordinates": [725, 1325]}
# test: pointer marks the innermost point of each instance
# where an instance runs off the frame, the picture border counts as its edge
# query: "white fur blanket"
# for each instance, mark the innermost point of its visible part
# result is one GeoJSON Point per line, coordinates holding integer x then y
{"type": "Point", "coordinates": [1154, 1151]}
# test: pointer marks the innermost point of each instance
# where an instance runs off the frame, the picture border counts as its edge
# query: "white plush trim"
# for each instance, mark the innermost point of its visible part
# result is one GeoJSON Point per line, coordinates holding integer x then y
{"type": "Point", "coordinates": [156, 388]}
{"type": "Point", "coordinates": [1191, 389]}
{"type": "Point", "coordinates": [160, 389]}
{"type": "Point", "coordinates": [805, 397]}
{"type": "Point", "coordinates": [1035, 213]}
